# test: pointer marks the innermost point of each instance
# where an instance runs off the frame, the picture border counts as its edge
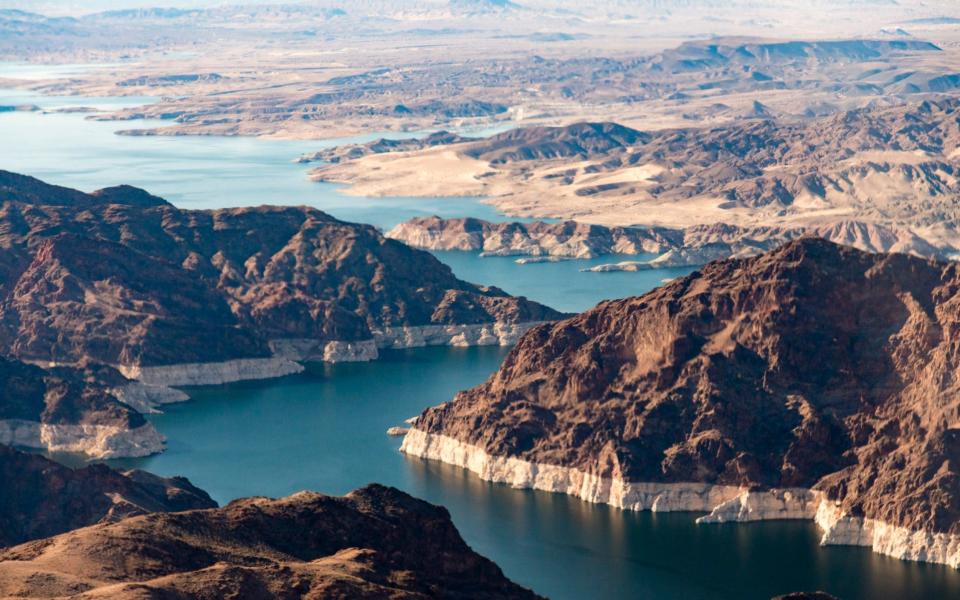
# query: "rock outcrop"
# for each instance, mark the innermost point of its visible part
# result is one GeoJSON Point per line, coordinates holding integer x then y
{"type": "Point", "coordinates": [815, 381]}
{"type": "Point", "coordinates": [41, 498]}
{"type": "Point", "coordinates": [67, 409]}
{"type": "Point", "coordinates": [375, 542]}
{"type": "Point", "coordinates": [123, 278]}
{"type": "Point", "coordinates": [691, 246]}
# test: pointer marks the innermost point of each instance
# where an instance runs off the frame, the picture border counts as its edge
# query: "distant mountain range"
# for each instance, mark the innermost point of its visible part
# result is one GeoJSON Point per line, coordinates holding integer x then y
{"type": "Point", "coordinates": [379, 8]}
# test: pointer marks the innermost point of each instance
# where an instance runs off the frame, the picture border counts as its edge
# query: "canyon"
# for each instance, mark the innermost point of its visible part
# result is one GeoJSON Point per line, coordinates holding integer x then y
{"type": "Point", "coordinates": [801, 386]}
{"type": "Point", "coordinates": [811, 382]}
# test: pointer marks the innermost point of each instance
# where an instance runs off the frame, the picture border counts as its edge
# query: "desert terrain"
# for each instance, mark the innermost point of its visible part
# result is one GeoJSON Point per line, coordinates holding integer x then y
{"type": "Point", "coordinates": [739, 183]}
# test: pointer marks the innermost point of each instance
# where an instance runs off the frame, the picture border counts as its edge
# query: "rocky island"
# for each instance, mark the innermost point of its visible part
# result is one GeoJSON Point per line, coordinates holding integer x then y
{"type": "Point", "coordinates": [375, 542]}
{"type": "Point", "coordinates": [813, 382]}
{"type": "Point", "coordinates": [169, 297]}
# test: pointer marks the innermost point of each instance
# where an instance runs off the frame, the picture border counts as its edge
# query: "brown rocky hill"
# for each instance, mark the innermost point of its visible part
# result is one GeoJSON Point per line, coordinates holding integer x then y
{"type": "Point", "coordinates": [579, 140]}
{"type": "Point", "coordinates": [813, 366]}
{"type": "Point", "coordinates": [41, 498]}
{"type": "Point", "coordinates": [124, 278]}
{"type": "Point", "coordinates": [375, 542]}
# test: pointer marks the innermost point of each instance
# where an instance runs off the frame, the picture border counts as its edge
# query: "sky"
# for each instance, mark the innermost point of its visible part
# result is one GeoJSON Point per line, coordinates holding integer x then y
{"type": "Point", "coordinates": [82, 7]}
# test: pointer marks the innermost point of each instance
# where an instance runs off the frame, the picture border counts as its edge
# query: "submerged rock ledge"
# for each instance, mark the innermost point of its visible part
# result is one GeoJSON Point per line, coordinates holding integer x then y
{"type": "Point", "coordinates": [723, 503]}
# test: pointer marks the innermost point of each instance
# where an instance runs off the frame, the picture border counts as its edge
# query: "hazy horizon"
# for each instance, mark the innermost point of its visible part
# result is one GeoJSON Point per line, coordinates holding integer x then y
{"type": "Point", "coordinates": [84, 7]}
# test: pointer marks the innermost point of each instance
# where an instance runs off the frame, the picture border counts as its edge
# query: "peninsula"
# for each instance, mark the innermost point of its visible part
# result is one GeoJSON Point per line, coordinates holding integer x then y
{"type": "Point", "coordinates": [812, 382]}
{"type": "Point", "coordinates": [121, 295]}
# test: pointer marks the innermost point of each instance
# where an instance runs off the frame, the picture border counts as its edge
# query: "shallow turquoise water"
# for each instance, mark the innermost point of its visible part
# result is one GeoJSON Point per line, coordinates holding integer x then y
{"type": "Point", "coordinates": [324, 430]}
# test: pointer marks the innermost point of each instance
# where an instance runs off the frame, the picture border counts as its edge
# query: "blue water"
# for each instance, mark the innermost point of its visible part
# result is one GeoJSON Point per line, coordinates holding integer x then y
{"type": "Point", "coordinates": [324, 429]}
{"type": "Point", "coordinates": [561, 285]}
{"type": "Point", "coordinates": [194, 172]}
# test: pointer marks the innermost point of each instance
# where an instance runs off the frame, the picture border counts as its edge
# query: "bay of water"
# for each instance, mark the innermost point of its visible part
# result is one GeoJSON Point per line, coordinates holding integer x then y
{"type": "Point", "coordinates": [325, 429]}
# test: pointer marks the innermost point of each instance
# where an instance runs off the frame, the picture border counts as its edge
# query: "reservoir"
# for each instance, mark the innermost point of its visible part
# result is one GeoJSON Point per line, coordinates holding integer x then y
{"type": "Point", "coordinates": [325, 429]}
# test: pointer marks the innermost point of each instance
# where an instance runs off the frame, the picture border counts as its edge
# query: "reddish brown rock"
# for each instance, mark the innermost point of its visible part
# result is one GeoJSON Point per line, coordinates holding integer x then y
{"type": "Point", "coordinates": [815, 366]}
{"type": "Point", "coordinates": [122, 277]}
{"type": "Point", "coordinates": [376, 542]}
{"type": "Point", "coordinates": [71, 409]}
{"type": "Point", "coordinates": [41, 498]}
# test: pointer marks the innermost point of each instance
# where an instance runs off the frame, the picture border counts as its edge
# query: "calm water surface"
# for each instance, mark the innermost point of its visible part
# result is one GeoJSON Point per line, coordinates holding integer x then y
{"type": "Point", "coordinates": [324, 429]}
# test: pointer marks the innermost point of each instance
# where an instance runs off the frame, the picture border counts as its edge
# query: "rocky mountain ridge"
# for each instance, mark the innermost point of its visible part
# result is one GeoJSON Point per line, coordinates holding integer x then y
{"type": "Point", "coordinates": [375, 542]}
{"type": "Point", "coordinates": [100, 289]}
{"type": "Point", "coordinates": [814, 381]}
{"type": "Point", "coordinates": [123, 278]}
{"type": "Point", "coordinates": [692, 246]}
{"type": "Point", "coordinates": [42, 498]}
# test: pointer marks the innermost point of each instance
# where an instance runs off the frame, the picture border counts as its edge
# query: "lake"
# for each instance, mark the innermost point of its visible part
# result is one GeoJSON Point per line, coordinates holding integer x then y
{"type": "Point", "coordinates": [325, 429]}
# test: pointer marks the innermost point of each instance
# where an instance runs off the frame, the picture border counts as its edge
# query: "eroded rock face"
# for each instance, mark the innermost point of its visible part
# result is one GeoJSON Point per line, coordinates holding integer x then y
{"type": "Point", "coordinates": [813, 366]}
{"type": "Point", "coordinates": [41, 498]}
{"type": "Point", "coordinates": [70, 409]}
{"type": "Point", "coordinates": [124, 278]}
{"type": "Point", "coordinates": [372, 543]}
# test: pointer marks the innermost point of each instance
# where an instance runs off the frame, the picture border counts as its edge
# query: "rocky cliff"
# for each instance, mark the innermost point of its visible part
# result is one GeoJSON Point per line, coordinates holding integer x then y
{"type": "Point", "coordinates": [815, 381]}
{"type": "Point", "coordinates": [66, 409]}
{"type": "Point", "coordinates": [121, 277]}
{"type": "Point", "coordinates": [375, 542]}
{"type": "Point", "coordinates": [41, 498]}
